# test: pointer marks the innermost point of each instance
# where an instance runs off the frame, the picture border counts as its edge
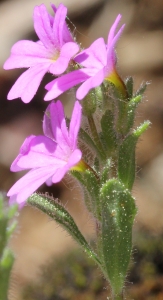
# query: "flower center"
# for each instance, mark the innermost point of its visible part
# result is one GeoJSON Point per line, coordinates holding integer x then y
{"type": "Point", "coordinates": [55, 55]}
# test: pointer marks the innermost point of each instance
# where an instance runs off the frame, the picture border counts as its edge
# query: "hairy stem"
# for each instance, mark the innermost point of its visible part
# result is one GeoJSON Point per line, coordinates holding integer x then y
{"type": "Point", "coordinates": [118, 297]}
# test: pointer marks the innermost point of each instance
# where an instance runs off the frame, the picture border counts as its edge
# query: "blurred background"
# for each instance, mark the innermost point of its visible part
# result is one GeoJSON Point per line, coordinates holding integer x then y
{"type": "Point", "coordinates": [140, 54]}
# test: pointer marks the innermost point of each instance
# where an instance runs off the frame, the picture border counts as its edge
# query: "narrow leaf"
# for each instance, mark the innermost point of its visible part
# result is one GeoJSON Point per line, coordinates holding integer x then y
{"type": "Point", "coordinates": [108, 136]}
{"type": "Point", "coordinates": [85, 137]}
{"type": "Point", "coordinates": [58, 213]}
{"type": "Point", "coordinates": [129, 85]}
{"type": "Point", "coordinates": [142, 89]}
{"type": "Point", "coordinates": [131, 108]}
{"type": "Point", "coordinates": [91, 186]}
{"type": "Point", "coordinates": [126, 161]}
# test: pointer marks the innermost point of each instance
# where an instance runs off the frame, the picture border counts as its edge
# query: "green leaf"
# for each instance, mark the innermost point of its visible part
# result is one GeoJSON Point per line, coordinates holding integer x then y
{"type": "Point", "coordinates": [12, 211]}
{"type": "Point", "coordinates": [126, 160]}
{"type": "Point", "coordinates": [141, 129]}
{"type": "Point", "coordinates": [6, 264]}
{"type": "Point", "coordinates": [89, 103]}
{"type": "Point", "coordinates": [91, 186]}
{"type": "Point", "coordinates": [11, 228]}
{"type": "Point", "coordinates": [85, 137]}
{"type": "Point", "coordinates": [7, 259]}
{"type": "Point", "coordinates": [118, 213]}
{"type": "Point", "coordinates": [3, 233]}
{"type": "Point", "coordinates": [6, 256]}
{"type": "Point", "coordinates": [6, 214]}
{"type": "Point", "coordinates": [142, 89]}
{"type": "Point", "coordinates": [129, 85]}
{"type": "Point", "coordinates": [87, 197]}
{"type": "Point", "coordinates": [108, 137]}
{"type": "Point", "coordinates": [105, 172]}
{"type": "Point", "coordinates": [58, 213]}
{"type": "Point", "coordinates": [96, 165]}
{"type": "Point", "coordinates": [131, 108]}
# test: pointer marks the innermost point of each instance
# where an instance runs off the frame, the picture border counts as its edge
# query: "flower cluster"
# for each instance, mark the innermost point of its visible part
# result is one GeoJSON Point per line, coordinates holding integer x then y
{"type": "Point", "coordinates": [49, 157]}
{"type": "Point", "coordinates": [105, 168]}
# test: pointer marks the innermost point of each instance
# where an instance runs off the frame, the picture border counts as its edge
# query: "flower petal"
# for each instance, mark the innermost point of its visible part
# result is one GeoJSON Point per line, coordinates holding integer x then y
{"type": "Point", "coordinates": [27, 84]}
{"type": "Point", "coordinates": [41, 152]}
{"type": "Point", "coordinates": [89, 84]}
{"type": "Point", "coordinates": [43, 27]}
{"type": "Point", "coordinates": [75, 124]}
{"type": "Point", "coordinates": [112, 30]}
{"type": "Point", "coordinates": [54, 126]}
{"type": "Point", "coordinates": [23, 151]}
{"type": "Point", "coordinates": [47, 125]}
{"type": "Point", "coordinates": [94, 56]}
{"type": "Point", "coordinates": [111, 56]}
{"type": "Point", "coordinates": [58, 123]}
{"type": "Point", "coordinates": [25, 54]}
{"type": "Point", "coordinates": [65, 82]}
{"type": "Point", "coordinates": [58, 25]}
{"type": "Point", "coordinates": [73, 160]}
{"type": "Point", "coordinates": [28, 184]}
{"type": "Point", "coordinates": [67, 37]}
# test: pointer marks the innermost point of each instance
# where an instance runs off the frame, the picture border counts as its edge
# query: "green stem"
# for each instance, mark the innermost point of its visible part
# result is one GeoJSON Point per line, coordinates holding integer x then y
{"type": "Point", "coordinates": [96, 137]}
{"type": "Point", "coordinates": [118, 297]}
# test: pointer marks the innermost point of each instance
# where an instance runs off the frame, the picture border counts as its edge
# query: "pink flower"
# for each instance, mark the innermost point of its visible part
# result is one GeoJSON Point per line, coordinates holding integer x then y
{"type": "Point", "coordinates": [52, 53]}
{"type": "Point", "coordinates": [49, 157]}
{"type": "Point", "coordinates": [99, 64]}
